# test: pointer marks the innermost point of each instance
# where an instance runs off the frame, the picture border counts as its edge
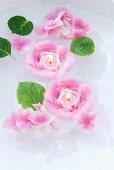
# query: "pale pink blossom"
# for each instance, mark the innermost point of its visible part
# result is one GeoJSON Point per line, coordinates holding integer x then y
{"type": "Point", "coordinates": [19, 120]}
{"type": "Point", "coordinates": [26, 119]}
{"type": "Point", "coordinates": [62, 24]}
{"type": "Point", "coordinates": [49, 60]}
{"type": "Point", "coordinates": [21, 44]}
{"type": "Point", "coordinates": [54, 22]}
{"type": "Point", "coordinates": [68, 97]}
{"type": "Point", "coordinates": [87, 120]}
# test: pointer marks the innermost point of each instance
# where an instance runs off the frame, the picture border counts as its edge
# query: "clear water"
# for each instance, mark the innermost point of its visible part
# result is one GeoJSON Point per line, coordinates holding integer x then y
{"type": "Point", "coordinates": [36, 149]}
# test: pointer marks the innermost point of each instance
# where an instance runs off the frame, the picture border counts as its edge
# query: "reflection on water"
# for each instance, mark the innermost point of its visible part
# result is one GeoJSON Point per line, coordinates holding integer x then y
{"type": "Point", "coordinates": [62, 143]}
{"type": "Point", "coordinates": [92, 67]}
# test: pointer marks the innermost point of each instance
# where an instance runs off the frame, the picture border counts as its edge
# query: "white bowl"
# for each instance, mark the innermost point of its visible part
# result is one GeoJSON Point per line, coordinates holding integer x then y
{"type": "Point", "coordinates": [72, 148]}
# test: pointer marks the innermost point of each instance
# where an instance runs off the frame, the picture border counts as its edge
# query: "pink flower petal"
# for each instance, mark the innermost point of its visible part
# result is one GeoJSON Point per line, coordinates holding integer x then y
{"type": "Point", "coordinates": [62, 114]}
{"type": "Point", "coordinates": [80, 28]}
{"type": "Point", "coordinates": [39, 30]}
{"type": "Point", "coordinates": [79, 24]}
{"type": "Point", "coordinates": [46, 46]}
{"type": "Point", "coordinates": [62, 51]}
{"type": "Point", "coordinates": [89, 99]}
{"type": "Point", "coordinates": [20, 43]}
{"type": "Point", "coordinates": [40, 119]}
{"type": "Point", "coordinates": [69, 61]}
{"type": "Point", "coordinates": [87, 121]}
{"type": "Point", "coordinates": [23, 124]}
{"type": "Point", "coordinates": [68, 82]}
{"type": "Point", "coordinates": [53, 24]}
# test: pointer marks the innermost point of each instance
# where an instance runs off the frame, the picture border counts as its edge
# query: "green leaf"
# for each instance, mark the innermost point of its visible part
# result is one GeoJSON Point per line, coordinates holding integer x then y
{"type": "Point", "coordinates": [20, 25]}
{"type": "Point", "coordinates": [5, 47]}
{"type": "Point", "coordinates": [29, 93]}
{"type": "Point", "coordinates": [82, 46]}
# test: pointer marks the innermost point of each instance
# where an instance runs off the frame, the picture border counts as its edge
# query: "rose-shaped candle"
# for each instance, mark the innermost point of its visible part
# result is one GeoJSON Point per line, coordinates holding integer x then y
{"type": "Point", "coordinates": [49, 60]}
{"type": "Point", "coordinates": [68, 97]}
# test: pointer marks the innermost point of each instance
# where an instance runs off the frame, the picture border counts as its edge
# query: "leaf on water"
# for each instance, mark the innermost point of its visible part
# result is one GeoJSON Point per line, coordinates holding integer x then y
{"type": "Point", "coordinates": [20, 25]}
{"type": "Point", "coordinates": [5, 47]}
{"type": "Point", "coordinates": [29, 93]}
{"type": "Point", "coordinates": [82, 46]}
